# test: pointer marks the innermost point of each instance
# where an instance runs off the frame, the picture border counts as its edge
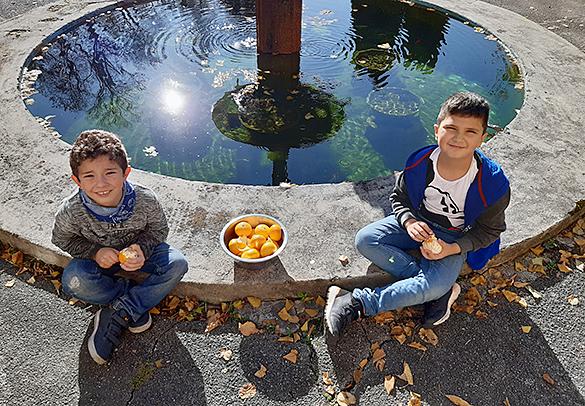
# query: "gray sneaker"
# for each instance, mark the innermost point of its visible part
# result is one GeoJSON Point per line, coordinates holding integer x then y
{"type": "Point", "coordinates": [341, 309]}
{"type": "Point", "coordinates": [438, 311]}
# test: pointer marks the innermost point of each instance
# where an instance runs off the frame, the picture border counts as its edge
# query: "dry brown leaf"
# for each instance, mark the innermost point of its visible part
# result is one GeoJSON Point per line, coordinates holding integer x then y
{"type": "Point", "coordinates": [320, 301]}
{"type": "Point", "coordinates": [400, 338]}
{"type": "Point", "coordinates": [296, 337]}
{"type": "Point", "coordinates": [326, 379]}
{"type": "Point", "coordinates": [537, 250]}
{"type": "Point", "coordinates": [225, 353]}
{"type": "Point", "coordinates": [247, 391]}
{"type": "Point", "coordinates": [254, 301]}
{"type": "Point", "coordinates": [535, 293]}
{"type": "Point", "coordinates": [287, 339]}
{"type": "Point", "coordinates": [456, 400]}
{"type": "Point", "coordinates": [375, 345]}
{"type": "Point", "coordinates": [357, 375]}
{"type": "Point", "coordinates": [10, 283]}
{"type": "Point", "coordinates": [288, 305]}
{"type": "Point", "coordinates": [215, 320]}
{"type": "Point", "coordinates": [174, 303]}
{"type": "Point", "coordinates": [305, 326]}
{"type": "Point", "coordinates": [345, 399]}
{"type": "Point", "coordinates": [417, 346]}
{"type": "Point", "coordinates": [158, 363]}
{"type": "Point", "coordinates": [291, 356]}
{"type": "Point", "coordinates": [379, 353]}
{"type": "Point", "coordinates": [573, 301]}
{"type": "Point", "coordinates": [478, 280]}
{"type": "Point", "coordinates": [384, 317]}
{"type": "Point", "coordinates": [580, 241]}
{"type": "Point", "coordinates": [548, 379]}
{"type": "Point", "coordinates": [225, 307]}
{"type": "Point", "coordinates": [396, 330]}
{"type": "Point", "coordinates": [473, 296]}
{"type": "Point", "coordinates": [389, 382]}
{"type": "Point", "coordinates": [363, 363]}
{"type": "Point", "coordinates": [261, 373]}
{"type": "Point", "coordinates": [283, 314]}
{"type": "Point", "coordinates": [520, 285]}
{"type": "Point", "coordinates": [510, 296]}
{"type": "Point", "coordinates": [537, 269]}
{"type": "Point", "coordinates": [330, 390]}
{"type": "Point", "coordinates": [492, 304]}
{"type": "Point", "coordinates": [312, 312]}
{"type": "Point", "coordinates": [481, 315]}
{"type": "Point", "coordinates": [564, 268]}
{"type": "Point", "coordinates": [18, 259]}
{"type": "Point", "coordinates": [526, 329]}
{"type": "Point", "coordinates": [428, 336]}
{"type": "Point", "coordinates": [414, 399]}
{"type": "Point", "coordinates": [344, 260]}
{"type": "Point", "coordinates": [74, 300]}
{"type": "Point", "coordinates": [293, 319]}
{"type": "Point", "coordinates": [406, 374]}
{"type": "Point", "coordinates": [248, 328]}
{"type": "Point", "coordinates": [519, 266]}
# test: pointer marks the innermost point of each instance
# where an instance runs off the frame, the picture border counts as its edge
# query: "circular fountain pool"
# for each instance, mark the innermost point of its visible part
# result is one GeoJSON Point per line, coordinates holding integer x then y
{"type": "Point", "coordinates": [171, 78]}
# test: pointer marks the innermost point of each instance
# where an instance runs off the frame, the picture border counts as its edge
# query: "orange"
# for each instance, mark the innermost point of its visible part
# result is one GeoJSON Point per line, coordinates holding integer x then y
{"type": "Point", "coordinates": [262, 229]}
{"type": "Point", "coordinates": [251, 253]}
{"type": "Point", "coordinates": [275, 232]}
{"type": "Point", "coordinates": [126, 254]}
{"type": "Point", "coordinates": [268, 248]}
{"type": "Point", "coordinates": [243, 229]}
{"type": "Point", "coordinates": [237, 245]}
{"type": "Point", "coordinates": [256, 241]}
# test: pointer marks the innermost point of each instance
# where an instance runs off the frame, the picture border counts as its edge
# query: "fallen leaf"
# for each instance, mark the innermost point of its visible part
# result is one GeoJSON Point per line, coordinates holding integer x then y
{"type": "Point", "coordinates": [238, 304]}
{"type": "Point", "coordinates": [535, 293]}
{"type": "Point", "coordinates": [520, 285]}
{"type": "Point", "coordinates": [519, 266]}
{"type": "Point", "coordinates": [548, 379]}
{"type": "Point", "coordinates": [573, 301]}
{"type": "Point", "coordinates": [564, 268]}
{"type": "Point", "coordinates": [538, 261]}
{"type": "Point", "coordinates": [291, 356]}
{"type": "Point", "coordinates": [261, 373]}
{"type": "Point", "coordinates": [456, 400]}
{"type": "Point", "coordinates": [74, 300]}
{"type": "Point", "coordinates": [537, 250]}
{"type": "Point", "coordinates": [247, 391]}
{"type": "Point", "coordinates": [363, 363]}
{"type": "Point", "coordinates": [417, 346]}
{"type": "Point", "coordinates": [481, 315]}
{"type": "Point", "coordinates": [216, 320]}
{"type": "Point", "coordinates": [384, 317]}
{"type": "Point", "coordinates": [414, 399]}
{"type": "Point", "coordinates": [175, 301]}
{"type": "Point", "coordinates": [378, 359]}
{"type": "Point", "coordinates": [283, 314]}
{"type": "Point", "coordinates": [312, 312]}
{"type": "Point", "coordinates": [305, 326]}
{"type": "Point", "coordinates": [522, 302]}
{"type": "Point", "coordinates": [330, 390]}
{"type": "Point", "coordinates": [158, 363]}
{"type": "Point", "coordinates": [510, 296]}
{"type": "Point", "coordinates": [407, 374]}
{"type": "Point", "coordinates": [537, 269]}
{"type": "Point", "coordinates": [287, 339]}
{"type": "Point", "coordinates": [357, 375]}
{"type": "Point", "coordinates": [248, 328]}
{"type": "Point", "coordinates": [296, 337]}
{"type": "Point", "coordinates": [401, 338]}
{"type": "Point", "coordinates": [389, 382]}
{"type": "Point", "coordinates": [526, 329]}
{"type": "Point", "coordinates": [18, 259]}
{"type": "Point", "coordinates": [320, 301]}
{"type": "Point", "coordinates": [491, 304]}
{"type": "Point", "coordinates": [384, 46]}
{"type": "Point", "coordinates": [225, 353]}
{"type": "Point", "coordinates": [10, 283]}
{"type": "Point", "coordinates": [56, 284]}
{"type": "Point", "coordinates": [288, 305]}
{"type": "Point", "coordinates": [345, 399]}
{"type": "Point", "coordinates": [478, 280]}
{"type": "Point", "coordinates": [428, 336]}
{"type": "Point", "coordinates": [344, 260]}
{"type": "Point", "coordinates": [326, 379]}
{"type": "Point", "coordinates": [31, 280]}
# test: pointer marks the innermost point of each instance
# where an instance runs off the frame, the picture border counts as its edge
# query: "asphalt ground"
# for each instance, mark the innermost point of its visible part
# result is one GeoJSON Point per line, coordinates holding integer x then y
{"type": "Point", "coordinates": [44, 360]}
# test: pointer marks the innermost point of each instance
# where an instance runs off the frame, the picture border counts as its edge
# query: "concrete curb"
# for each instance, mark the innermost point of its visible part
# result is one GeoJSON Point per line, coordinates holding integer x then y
{"type": "Point", "coordinates": [541, 151]}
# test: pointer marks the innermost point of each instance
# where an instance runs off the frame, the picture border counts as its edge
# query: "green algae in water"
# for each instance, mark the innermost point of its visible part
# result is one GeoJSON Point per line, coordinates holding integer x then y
{"type": "Point", "coordinates": [394, 101]}
{"type": "Point", "coordinates": [374, 59]}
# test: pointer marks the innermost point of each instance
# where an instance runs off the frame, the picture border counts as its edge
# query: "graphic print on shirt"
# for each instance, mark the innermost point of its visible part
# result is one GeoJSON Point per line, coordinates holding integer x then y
{"type": "Point", "coordinates": [442, 200]}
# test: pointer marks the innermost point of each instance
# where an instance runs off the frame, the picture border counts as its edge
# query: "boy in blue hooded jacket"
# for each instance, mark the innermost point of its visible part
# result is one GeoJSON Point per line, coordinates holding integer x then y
{"type": "Point", "coordinates": [450, 193]}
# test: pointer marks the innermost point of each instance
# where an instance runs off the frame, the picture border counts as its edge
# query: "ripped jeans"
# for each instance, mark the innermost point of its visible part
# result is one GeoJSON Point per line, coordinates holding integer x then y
{"type": "Point", "coordinates": [87, 281]}
{"type": "Point", "coordinates": [385, 243]}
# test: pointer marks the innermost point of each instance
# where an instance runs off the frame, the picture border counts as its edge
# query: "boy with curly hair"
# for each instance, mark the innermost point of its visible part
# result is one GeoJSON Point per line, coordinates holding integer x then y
{"type": "Point", "coordinates": [109, 225]}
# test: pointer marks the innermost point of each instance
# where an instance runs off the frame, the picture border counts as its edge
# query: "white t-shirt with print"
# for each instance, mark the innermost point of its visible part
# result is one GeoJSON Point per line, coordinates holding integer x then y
{"type": "Point", "coordinates": [444, 200]}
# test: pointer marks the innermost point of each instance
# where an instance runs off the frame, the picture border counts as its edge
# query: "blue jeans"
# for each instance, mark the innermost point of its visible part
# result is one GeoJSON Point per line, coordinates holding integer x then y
{"type": "Point", "coordinates": [385, 243]}
{"type": "Point", "coordinates": [87, 281]}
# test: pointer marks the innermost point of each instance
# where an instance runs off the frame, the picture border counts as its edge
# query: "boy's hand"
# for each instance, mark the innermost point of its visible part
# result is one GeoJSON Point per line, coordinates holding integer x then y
{"type": "Point", "coordinates": [448, 249]}
{"type": "Point", "coordinates": [106, 257]}
{"type": "Point", "coordinates": [418, 230]}
{"type": "Point", "coordinates": [134, 264]}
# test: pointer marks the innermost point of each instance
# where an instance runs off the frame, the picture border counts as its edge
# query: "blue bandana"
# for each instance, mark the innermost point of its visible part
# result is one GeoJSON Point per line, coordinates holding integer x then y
{"type": "Point", "coordinates": [117, 214]}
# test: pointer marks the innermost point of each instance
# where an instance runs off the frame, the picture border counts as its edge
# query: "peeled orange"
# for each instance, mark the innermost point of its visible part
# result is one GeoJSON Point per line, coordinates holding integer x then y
{"type": "Point", "coordinates": [237, 245]}
{"type": "Point", "coordinates": [126, 254]}
{"type": "Point", "coordinates": [256, 241]}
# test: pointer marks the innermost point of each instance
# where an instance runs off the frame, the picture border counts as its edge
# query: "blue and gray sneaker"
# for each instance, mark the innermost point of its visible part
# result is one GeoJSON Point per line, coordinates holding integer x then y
{"type": "Point", "coordinates": [438, 311]}
{"type": "Point", "coordinates": [341, 309]}
{"type": "Point", "coordinates": [108, 326]}
{"type": "Point", "coordinates": [142, 324]}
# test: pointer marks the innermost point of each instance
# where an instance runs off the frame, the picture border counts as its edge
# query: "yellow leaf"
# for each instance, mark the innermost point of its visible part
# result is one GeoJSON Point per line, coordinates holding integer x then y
{"type": "Point", "coordinates": [363, 363]}
{"type": "Point", "coordinates": [522, 302]}
{"type": "Point", "coordinates": [293, 319]}
{"type": "Point", "coordinates": [305, 326]}
{"type": "Point", "coordinates": [526, 329]}
{"type": "Point", "coordinates": [510, 296]}
{"type": "Point", "coordinates": [417, 346]}
{"type": "Point", "coordinates": [389, 382]}
{"type": "Point", "coordinates": [312, 312]}
{"type": "Point", "coordinates": [224, 307]}
{"type": "Point", "coordinates": [10, 283]}
{"type": "Point", "coordinates": [326, 379]}
{"type": "Point", "coordinates": [428, 336]}
{"type": "Point", "coordinates": [564, 268]}
{"type": "Point", "coordinates": [287, 339]}
{"type": "Point", "coordinates": [456, 400]}
{"type": "Point", "coordinates": [56, 284]}
{"type": "Point", "coordinates": [174, 303]}
{"type": "Point", "coordinates": [238, 304]}
{"type": "Point", "coordinates": [288, 305]}
{"type": "Point", "coordinates": [291, 356]}
{"type": "Point", "coordinates": [154, 310]}
{"type": "Point", "coordinates": [537, 250]}
{"type": "Point", "coordinates": [345, 399]}
{"type": "Point", "coordinates": [320, 301]}
{"type": "Point", "coordinates": [247, 391]}
{"type": "Point", "coordinates": [407, 374]}
{"type": "Point", "coordinates": [478, 280]}
{"type": "Point", "coordinates": [216, 320]}
{"type": "Point", "coordinates": [254, 301]}
{"type": "Point", "coordinates": [261, 373]}
{"type": "Point", "coordinates": [519, 266]}
{"type": "Point", "coordinates": [283, 314]}
{"type": "Point", "coordinates": [18, 259]}
{"type": "Point", "coordinates": [248, 328]}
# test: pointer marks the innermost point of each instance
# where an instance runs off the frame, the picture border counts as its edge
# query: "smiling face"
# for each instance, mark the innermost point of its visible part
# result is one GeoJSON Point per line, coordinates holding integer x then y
{"type": "Point", "coordinates": [458, 136]}
{"type": "Point", "coordinates": [102, 179]}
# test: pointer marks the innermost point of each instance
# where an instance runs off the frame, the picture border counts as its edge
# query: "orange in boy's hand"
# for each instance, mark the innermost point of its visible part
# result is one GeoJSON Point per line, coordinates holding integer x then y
{"type": "Point", "coordinates": [126, 254]}
{"type": "Point", "coordinates": [432, 245]}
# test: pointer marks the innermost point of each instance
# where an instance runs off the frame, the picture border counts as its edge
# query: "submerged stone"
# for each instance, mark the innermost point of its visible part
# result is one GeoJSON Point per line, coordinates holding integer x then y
{"type": "Point", "coordinates": [394, 102]}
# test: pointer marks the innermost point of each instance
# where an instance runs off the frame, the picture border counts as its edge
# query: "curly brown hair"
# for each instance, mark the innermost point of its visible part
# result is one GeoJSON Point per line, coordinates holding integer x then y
{"type": "Point", "coordinates": [91, 144]}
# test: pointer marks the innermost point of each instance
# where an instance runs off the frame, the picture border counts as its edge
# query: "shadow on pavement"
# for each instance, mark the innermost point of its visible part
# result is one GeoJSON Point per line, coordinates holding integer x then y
{"type": "Point", "coordinates": [148, 368]}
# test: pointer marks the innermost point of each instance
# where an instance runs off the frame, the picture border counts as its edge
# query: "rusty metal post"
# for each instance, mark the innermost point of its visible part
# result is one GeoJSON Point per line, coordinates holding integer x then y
{"type": "Point", "coordinates": [278, 26]}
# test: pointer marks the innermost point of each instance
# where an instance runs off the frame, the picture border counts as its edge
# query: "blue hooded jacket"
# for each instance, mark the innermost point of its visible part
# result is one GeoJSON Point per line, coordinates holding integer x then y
{"type": "Point", "coordinates": [489, 185]}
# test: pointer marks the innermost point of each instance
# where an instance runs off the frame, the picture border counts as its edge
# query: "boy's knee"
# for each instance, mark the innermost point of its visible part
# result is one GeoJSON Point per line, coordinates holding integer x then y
{"type": "Point", "coordinates": [179, 264]}
{"type": "Point", "coordinates": [364, 240]}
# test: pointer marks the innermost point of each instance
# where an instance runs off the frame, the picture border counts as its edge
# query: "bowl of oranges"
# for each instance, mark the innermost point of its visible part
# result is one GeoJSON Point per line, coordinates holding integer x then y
{"type": "Point", "coordinates": [253, 238]}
